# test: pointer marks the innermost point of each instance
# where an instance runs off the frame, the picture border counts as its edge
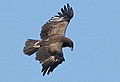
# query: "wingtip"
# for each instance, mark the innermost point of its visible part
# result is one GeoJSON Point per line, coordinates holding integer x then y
{"type": "Point", "coordinates": [67, 3]}
{"type": "Point", "coordinates": [66, 12]}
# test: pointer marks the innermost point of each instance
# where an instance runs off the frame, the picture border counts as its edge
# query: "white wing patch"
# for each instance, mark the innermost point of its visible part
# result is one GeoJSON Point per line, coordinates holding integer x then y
{"type": "Point", "coordinates": [56, 19]}
{"type": "Point", "coordinates": [51, 58]}
{"type": "Point", "coordinates": [36, 45]}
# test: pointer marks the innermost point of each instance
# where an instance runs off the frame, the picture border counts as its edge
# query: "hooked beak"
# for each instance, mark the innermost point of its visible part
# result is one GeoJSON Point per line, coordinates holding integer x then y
{"type": "Point", "coordinates": [71, 48]}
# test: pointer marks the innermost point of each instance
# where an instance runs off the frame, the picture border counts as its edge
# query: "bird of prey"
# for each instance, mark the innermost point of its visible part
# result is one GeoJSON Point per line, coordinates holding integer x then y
{"type": "Point", "coordinates": [49, 50]}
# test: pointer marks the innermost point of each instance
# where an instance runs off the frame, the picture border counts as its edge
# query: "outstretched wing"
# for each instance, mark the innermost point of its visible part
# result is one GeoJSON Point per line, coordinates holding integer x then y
{"type": "Point", "coordinates": [57, 25]}
{"type": "Point", "coordinates": [50, 57]}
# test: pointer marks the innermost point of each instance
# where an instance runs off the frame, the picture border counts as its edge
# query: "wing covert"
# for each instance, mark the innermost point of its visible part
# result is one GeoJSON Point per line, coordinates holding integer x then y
{"type": "Point", "coordinates": [57, 25]}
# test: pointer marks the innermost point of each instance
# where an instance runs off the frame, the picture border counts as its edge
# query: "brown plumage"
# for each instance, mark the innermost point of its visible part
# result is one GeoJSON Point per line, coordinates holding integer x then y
{"type": "Point", "coordinates": [49, 49]}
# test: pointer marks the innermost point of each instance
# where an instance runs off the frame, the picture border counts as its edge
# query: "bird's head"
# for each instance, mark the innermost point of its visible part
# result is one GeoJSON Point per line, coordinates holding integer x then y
{"type": "Point", "coordinates": [68, 43]}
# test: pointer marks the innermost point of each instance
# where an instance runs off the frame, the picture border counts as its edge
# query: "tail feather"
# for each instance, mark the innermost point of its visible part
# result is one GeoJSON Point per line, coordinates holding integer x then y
{"type": "Point", "coordinates": [31, 46]}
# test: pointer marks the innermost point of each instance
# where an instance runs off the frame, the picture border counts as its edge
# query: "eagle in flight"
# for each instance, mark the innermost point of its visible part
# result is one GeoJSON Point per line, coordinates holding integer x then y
{"type": "Point", "coordinates": [49, 50]}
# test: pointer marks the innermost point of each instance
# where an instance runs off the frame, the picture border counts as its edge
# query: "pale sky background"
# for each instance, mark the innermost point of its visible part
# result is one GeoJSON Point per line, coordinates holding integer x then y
{"type": "Point", "coordinates": [95, 30]}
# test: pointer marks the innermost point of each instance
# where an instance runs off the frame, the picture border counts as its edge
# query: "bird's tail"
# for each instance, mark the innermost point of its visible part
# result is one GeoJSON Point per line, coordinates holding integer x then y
{"type": "Point", "coordinates": [31, 46]}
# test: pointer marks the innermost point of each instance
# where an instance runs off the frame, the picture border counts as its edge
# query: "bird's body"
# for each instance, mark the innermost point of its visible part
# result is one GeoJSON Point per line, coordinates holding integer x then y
{"type": "Point", "coordinates": [49, 49]}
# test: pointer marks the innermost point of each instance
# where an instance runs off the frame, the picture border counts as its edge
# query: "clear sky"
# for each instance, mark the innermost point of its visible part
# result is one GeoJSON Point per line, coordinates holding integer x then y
{"type": "Point", "coordinates": [95, 30]}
